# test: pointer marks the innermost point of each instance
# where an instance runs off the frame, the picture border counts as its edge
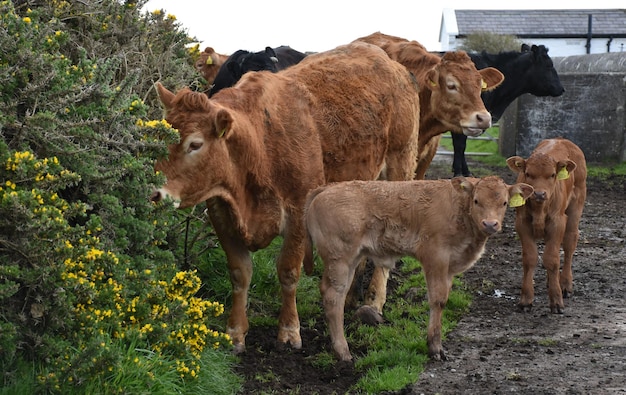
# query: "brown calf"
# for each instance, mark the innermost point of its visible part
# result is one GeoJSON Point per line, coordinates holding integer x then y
{"type": "Point", "coordinates": [558, 172]}
{"type": "Point", "coordinates": [253, 151]}
{"type": "Point", "coordinates": [444, 223]}
{"type": "Point", "coordinates": [449, 89]}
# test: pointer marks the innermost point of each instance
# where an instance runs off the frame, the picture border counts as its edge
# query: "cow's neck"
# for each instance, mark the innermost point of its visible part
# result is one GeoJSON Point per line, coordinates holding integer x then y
{"type": "Point", "coordinates": [514, 85]}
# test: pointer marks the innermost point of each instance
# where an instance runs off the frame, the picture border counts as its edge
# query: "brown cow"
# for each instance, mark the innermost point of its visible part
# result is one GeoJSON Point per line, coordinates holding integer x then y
{"type": "Point", "coordinates": [450, 89]}
{"type": "Point", "coordinates": [443, 223]}
{"type": "Point", "coordinates": [209, 63]}
{"type": "Point", "coordinates": [253, 151]}
{"type": "Point", "coordinates": [558, 172]}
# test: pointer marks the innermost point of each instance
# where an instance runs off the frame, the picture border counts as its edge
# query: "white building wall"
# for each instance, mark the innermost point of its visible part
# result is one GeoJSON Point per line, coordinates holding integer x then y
{"type": "Point", "coordinates": [561, 47]}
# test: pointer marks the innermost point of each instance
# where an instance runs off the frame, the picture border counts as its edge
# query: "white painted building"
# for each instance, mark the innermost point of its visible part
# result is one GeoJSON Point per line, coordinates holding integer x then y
{"type": "Point", "coordinates": [564, 32]}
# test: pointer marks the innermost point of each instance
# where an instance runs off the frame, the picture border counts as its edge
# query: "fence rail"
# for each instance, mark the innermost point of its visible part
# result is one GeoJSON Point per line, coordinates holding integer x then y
{"type": "Point", "coordinates": [484, 136]}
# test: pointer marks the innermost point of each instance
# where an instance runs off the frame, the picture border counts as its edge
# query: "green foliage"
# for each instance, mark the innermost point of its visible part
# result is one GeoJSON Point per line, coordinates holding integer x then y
{"type": "Point", "coordinates": [490, 42]}
{"type": "Point", "coordinates": [92, 297]}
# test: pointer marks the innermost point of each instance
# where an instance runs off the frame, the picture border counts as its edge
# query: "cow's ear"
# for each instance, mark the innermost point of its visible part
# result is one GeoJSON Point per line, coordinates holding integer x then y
{"type": "Point", "coordinates": [492, 77]}
{"type": "Point", "coordinates": [432, 78]}
{"type": "Point", "coordinates": [564, 168]}
{"type": "Point", "coordinates": [516, 163]}
{"type": "Point", "coordinates": [272, 55]}
{"type": "Point", "coordinates": [463, 184]}
{"type": "Point", "coordinates": [223, 123]}
{"type": "Point", "coordinates": [165, 96]}
{"type": "Point", "coordinates": [525, 48]}
{"type": "Point", "coordinates": [518, 193]}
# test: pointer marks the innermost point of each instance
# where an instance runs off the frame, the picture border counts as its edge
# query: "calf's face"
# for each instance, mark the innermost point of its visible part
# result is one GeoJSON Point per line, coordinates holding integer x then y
{"type": "Point", "coordinates": [489, 198]}
{"type": "Point", "coordinates": [541, 171]}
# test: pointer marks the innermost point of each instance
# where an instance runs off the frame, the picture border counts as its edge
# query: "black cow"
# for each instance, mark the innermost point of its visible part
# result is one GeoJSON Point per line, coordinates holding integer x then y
{"type": "Point", "coordinates": [243, 61]}
{"type": "Point", "coordinates": [529, 71]}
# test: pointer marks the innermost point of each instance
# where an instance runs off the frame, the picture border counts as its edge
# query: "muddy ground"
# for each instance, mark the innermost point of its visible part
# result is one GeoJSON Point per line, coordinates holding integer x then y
{"type": "Point", "coordinates": [496, 349]}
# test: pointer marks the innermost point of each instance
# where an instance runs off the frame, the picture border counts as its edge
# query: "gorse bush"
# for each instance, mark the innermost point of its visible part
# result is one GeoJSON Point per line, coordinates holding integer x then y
{"type": "Point", "coordinates": [92, 296]}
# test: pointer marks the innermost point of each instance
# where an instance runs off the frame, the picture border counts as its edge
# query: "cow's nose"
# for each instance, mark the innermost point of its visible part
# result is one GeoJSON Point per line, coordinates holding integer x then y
{"type": "Point", "coordinates": [483, 119]}
{"type": "Point", "coordinates": [156, 196]}
{"type": "Point", "coordinates": [491, 226]}
{"type": "Point", "coordinates": [540, 195]}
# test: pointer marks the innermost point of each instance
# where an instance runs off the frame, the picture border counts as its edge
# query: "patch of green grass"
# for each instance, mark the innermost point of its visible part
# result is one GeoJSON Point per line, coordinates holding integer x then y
{"type": "Point", "coordinates": [547, 342]}
{"type": "Point", "coordinates": [483, 146]}
{"type": "Point", "coordinates": [604, 172]}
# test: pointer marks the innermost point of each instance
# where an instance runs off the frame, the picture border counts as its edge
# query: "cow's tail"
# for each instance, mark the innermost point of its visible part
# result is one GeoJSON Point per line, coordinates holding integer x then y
{"type": "Point", "coordinates": [308, 241]}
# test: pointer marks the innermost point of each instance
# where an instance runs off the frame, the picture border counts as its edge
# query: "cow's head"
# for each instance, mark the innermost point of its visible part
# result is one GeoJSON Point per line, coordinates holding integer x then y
{"type": "Point", "coordinates": [253, 61]}
{"type": "Point", "coordinates": [455, 86]}
{"type": "Point", "coordinates": [540, 76]}
{"type": "Point", "coordinates": [489, 197]}
{"type": "Point", "coordinates": [197, 167]}
{"type": "Point", "coordinates": [541, 171]}
{"type": "Point", "coordinates": [209, 63]}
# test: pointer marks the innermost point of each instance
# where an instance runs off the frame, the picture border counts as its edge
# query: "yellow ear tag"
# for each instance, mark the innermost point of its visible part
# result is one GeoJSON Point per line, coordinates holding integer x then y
{"type": "Point", "coordinates": [516, 200]}
{"type": "Point", "coordinates": [483, 84]}
{"type": "Point", "coordinates": [433, 83]}
{"type": "Point", "coordinates": [209, 60]}
{"type": "Point", "coordinates": [222, 133]}
{"type": "Point", "coordinates": [563, 174]}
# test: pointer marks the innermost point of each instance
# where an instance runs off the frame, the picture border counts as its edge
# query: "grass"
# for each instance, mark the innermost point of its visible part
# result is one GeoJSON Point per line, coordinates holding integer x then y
{"type": "Point", "coordinates": [396, 352]}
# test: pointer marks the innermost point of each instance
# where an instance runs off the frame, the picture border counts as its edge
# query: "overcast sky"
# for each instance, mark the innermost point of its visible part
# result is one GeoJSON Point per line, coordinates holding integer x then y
{"type": "Point", "coordinates": [319, 25]}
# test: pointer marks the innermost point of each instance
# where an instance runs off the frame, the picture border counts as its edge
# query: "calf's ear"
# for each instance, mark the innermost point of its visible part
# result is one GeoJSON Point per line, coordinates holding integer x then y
{"type": "Point", "coordinates": [516, 163]}
{"type": "Point", "coordinates": [462, 184]}
{"type": "Point", "coordinates": [492, 78]}
{"type": "Point", "coordinates": [565, 167]}
{"type": "Point", "coordinates": [165, 96]}
{"type": "Point", "coordinates": [518, 193]}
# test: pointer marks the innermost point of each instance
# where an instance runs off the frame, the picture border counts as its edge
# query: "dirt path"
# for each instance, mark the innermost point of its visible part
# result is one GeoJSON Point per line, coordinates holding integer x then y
{"type": "Point", "coordinates": [496, 349]}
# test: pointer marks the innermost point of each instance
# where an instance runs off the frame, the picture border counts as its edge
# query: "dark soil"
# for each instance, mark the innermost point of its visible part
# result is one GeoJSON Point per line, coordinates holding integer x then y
{"type": "Point", "coordinates": [497, 349]}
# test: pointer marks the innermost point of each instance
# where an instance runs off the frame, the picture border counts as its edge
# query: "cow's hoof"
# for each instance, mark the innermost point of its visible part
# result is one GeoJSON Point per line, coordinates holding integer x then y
{"type": "Point", "coordinates": [438, 355]}
{"type": "Point", "coordinates": [369, 316]}
{"type": "Point", "coordinates": [566, 293]}
{"type": "Point", "coordinates": [525, 308]}
{"type": "Point", "coordinates": [284, 346]}
{"type": "Point", "coordinates": [239, 348]}
{"type": "Point", "coordinates": [557, 309]}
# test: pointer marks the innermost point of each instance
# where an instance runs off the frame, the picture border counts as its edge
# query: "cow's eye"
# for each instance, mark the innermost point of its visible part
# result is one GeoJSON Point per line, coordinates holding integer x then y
{"type": "Point", "coordinates": [194, 146]}
{"type": "Point", "coordinates": [476, 201]}
{"type": "Point", "coordinates": [451, 86]}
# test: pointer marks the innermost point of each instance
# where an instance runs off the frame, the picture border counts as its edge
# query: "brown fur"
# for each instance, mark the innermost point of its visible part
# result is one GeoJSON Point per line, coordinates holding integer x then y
{"type": "Point", "coordinates": [459, 110]}
{"type": "Point", "coordinates": [551, 214]}
{"type": "Point", "coordinates": [441, 109]}
{"type": "Point", "coordinates": [209, 63]}
{"type": "Point", "coordinates": [253, 152]}
{"type": "Point", "coordinates": [444, 223]}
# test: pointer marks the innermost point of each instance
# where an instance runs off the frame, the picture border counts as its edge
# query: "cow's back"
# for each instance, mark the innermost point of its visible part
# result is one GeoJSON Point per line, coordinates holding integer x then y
{"type": "Point", "coordinates": [366, 110]}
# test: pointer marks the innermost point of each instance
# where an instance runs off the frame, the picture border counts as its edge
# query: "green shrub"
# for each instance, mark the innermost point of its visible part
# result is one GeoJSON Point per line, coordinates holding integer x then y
{"type": "Point", "coordinates": [91, 290]}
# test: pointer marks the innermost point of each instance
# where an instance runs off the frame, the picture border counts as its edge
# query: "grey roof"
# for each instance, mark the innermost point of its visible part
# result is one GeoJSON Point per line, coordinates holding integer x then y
{"type": "Point", "coordinates": [546, 23]}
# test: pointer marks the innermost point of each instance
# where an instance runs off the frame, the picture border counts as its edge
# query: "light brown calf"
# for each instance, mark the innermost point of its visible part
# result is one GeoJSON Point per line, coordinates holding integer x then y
{"type": "Point", "coordinates": [558, 172]}
{"type": "Point", "coordinates": [449, 89]}
{"type": "Point", "coordinates": [444, 223]}
{"type": "Point", "coordinates": [253, 151]}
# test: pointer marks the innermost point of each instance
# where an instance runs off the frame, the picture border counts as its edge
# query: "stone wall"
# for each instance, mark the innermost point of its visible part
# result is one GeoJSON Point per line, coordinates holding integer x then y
{"type": "Point", "coordinates": [591, 112]}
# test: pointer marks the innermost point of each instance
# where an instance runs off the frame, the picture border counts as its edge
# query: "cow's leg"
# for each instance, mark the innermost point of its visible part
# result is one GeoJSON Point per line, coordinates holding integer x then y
{"type": "Point", "coordinates": [530, 257]}
{"type": "Point", "coordinates": [376, 294]}
{"type": "Point", "coordinates": [552, 262]}
{"type": "Point", "coordinates": [570, 241]}
{"type": "Point", "coordinates": [426, 155]}
{"type": "Point", "coordinates": [356, 288]}
{"type": "Point", "coordinates": [459, 163]}
{"type": "Point", "coordinates": [334, 285]}
{"type": "Point", "coordinates": [288, 266]}
{"type": "Point", "coordinates": [438, 285]}
{"type": "Point", "coordinates": [240, 269]}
